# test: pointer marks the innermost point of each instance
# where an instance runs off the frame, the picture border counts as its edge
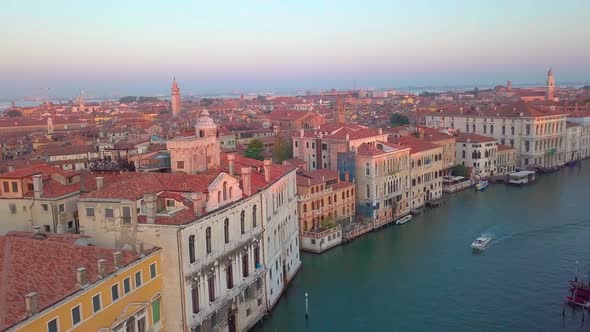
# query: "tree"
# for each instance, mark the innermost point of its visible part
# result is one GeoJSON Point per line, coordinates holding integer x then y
{"type": "Point", "coordinates": [127, 99]}
{"type": "Point", "coordinates": [398, 120]}
{"type": "Point", "coordinates": [255, 149]}
{"type": "Point", "coordinates": [13, 114]}
{"type": "Point", "coordinates": [461, 170]}
{"type": "Point", "coordinates": [282, 149]}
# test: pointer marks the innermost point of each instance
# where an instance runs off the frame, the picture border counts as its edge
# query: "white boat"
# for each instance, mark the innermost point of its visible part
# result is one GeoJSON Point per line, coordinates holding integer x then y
{"type": "Point", "coordinates": [481, 242]}
{"type": "Point", "coordinates": [482, 185]}
{"type": "Point", "coordinates": [403, 220]}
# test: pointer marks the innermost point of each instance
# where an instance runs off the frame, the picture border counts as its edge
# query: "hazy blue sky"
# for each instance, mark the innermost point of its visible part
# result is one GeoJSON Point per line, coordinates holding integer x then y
{"type": "Point", "coordinates": [136, 47]}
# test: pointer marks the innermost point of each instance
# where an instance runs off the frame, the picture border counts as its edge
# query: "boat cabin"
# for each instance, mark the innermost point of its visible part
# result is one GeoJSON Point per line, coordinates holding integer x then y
{"type": "Point", "coordinates": [520, 178]}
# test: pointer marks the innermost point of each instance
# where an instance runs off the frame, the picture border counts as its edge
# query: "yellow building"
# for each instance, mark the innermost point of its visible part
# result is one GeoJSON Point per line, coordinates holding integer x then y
{"type": "Point", "coordinates": [57, 283]}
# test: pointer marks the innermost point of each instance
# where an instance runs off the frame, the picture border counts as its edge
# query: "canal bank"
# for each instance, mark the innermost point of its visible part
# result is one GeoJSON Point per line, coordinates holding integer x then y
{"type": "Point", "coordinates": [423, 275]}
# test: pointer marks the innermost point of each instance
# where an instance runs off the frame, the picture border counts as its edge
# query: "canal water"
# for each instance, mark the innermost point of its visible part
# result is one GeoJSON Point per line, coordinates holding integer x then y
{"type": "Point", "coordinates": [424, 276]}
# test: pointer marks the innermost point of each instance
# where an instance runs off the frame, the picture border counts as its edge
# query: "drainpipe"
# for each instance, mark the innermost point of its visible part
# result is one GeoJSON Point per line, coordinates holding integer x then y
{"type": "Point", "coordinates": [182, 297]}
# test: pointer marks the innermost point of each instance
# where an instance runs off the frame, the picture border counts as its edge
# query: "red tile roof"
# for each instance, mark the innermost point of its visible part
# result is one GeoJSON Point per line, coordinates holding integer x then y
{"type": "Point", "coordinates": [473, 138]}
{"type": "Point", "coordinates": [47, 268]}
{"type": "Point", "coordinates": [414, 143]}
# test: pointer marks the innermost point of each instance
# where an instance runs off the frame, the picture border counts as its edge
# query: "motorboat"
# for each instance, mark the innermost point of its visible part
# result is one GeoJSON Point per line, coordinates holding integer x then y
{"type": "Point", "coordinates": [481, 185]}
{"type": "Point", "coordinates": [481, 242]}
{"type": "Point", "coordinates": [403, 220]}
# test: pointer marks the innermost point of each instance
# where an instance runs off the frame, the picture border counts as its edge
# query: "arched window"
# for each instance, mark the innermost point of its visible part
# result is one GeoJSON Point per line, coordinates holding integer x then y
{"type": "Point", "coordinates": [219, 197]}
{"type": "Point", "coordinates": [343, 195]}
{"type": "Point", "coordinates": [191, 248]}
{"type": "Point", "coordinates": [304, 208]}
{"type": "Point", "coordinates": [368, 191]}
{"type": "Point", "coordinates": [473, 127]}
{"type": "Point", "coordinates": [254, 216]}
{"type": "Point", "coordinates": [243, 222]}
{"type": "Point", "coordinates": [226, 230]}
{"type": "Point", "coordinates": [231, 192]}
{"type": "Point", "coordinates": [367, 169]}
{"type": "Point", "coordinates": [225, 190]}
{"type": "Point", "coordinates": [208, 240]}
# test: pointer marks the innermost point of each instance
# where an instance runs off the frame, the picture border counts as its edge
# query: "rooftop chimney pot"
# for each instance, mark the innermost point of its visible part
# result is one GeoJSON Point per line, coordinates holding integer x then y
{"type": "Point", "coordinates": [32, 303]}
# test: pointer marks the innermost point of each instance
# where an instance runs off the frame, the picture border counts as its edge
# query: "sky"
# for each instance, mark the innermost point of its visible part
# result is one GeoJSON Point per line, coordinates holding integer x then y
{"type": "Point", "coordinates": [133, 47]}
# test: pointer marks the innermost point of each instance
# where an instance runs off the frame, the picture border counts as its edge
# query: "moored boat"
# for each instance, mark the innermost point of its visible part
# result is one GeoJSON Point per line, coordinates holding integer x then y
{"type": "Point", "coordinates": [481, 185]}
{"type": "Point", "coordinates": [403, 220]}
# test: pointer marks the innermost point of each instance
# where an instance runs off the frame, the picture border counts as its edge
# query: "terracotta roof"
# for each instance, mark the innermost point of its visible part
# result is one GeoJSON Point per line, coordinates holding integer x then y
{"type": "Point", "coordinates": [503, 147]}
{"type": "Point", "coordinates": [367, 149]}
{"type": "Point", "coordinates": [415, 144]}
{"type": "Point", "coordinates": [133, 186]}
{"type": "Point", "coordinates": [473, 138]}
{"type": "Point", "coordinates": [47, 268]}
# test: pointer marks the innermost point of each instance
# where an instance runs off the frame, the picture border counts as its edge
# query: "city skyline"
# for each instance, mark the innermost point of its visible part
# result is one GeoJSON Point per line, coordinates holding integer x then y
{"type": "Point", "coordinates": [279, 46]}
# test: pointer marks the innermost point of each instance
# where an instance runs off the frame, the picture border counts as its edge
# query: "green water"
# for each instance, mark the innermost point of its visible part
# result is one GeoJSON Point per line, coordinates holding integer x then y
{"type": "Point", "coordinates": [424, 276]}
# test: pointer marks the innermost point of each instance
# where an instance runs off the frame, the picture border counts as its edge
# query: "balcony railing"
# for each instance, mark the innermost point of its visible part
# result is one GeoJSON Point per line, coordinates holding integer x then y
{"type": "Point", "coordinates": [327, 190]}
{"type": "Point", "coordinates": [321, 234]}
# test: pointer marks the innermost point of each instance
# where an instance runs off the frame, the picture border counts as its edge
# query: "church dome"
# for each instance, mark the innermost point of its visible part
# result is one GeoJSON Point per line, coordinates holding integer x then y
{"type": "Point", "coordinates": [205, 121]}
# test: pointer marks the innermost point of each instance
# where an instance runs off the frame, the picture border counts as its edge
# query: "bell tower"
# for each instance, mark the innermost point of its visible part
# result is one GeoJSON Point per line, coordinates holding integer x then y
{"type": "Point", "coordinates": [175, 98]}
{"type": "Point", "coordinates": [550, 94]}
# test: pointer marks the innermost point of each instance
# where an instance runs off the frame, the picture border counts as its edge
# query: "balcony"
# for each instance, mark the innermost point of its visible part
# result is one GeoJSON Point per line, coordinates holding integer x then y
{"type": "Point", "coordinates": [321, 233]}
{"type": "Point", "coordinates": [326, 191]}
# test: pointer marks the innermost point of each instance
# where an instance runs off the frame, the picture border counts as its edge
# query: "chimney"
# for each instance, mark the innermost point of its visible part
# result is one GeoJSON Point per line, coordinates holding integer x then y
{"type": "Point", "coordinates": [347, 137]}
{"type": "Point", "coordinates": [99, 182]}
{"type": "Point", "coordinates": [150, 207]}
{"type": "Point", "coordinates": [380, 131]}
{"type": "Point", "coordinates": [231, 157]}
{"type": "Point", "coordinates": [81, 276]}
{"type": "Point", "coordinates": [117, 259]}
{"type": "Point", "coordinates": [38, 185]}
{"type": "Point", "coordinates": [11, 168]}
{"type": "Point", "coordinates": [246, 181]}
{"type": "Point", "coordinates": [267, 162]}
{"type": "Point", "coordinates": [102, 267]}
{"type": "Point", "coordinates": [31, 303]}
{"type": "Point", "coordinates": [139, 247]}
{"type": "Point", "coordinates": [197, 208]}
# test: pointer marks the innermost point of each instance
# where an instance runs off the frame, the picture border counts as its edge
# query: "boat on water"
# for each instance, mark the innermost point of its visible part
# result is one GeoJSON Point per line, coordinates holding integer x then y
{"type": "Point", "coordinates": [481, 242]}
{"type": "Point", "coordinates": [481, 185]}
{"type": "Point", "coordinates": [403, 220]}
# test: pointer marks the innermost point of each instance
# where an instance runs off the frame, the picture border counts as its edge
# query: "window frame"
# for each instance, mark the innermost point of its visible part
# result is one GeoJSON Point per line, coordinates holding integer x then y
{"type": "Point", "coordinates": [140, 278]}
{"type": "Point", "coordinates": [94, 311]}
{"type": "Point", "coordinates": [125, 292]}
{"type": "Point", "coordinates": [154, 272]}
{"type": "Point", "coordinates": [79, 306]}
{"type": "Point", "coordinates": [56, 320]}
{"type": "Point", "coordinates": [113, 300]}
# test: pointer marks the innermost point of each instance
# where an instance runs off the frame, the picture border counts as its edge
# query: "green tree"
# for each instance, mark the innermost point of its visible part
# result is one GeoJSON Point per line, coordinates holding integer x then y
{"type": "Point", "coordinates": [127, 99]}
{"type": "Point", "coordinates": [398, 120]}
{"type": "Point", "coordinates": [461, 170]}
{"type": "Point", "coordinates": [255, 149]}
{"type": "Point", "coordinates": [143, 99]}
{"type": "Point", "coordinates": [281, 149]}
{"type": "Point", "coordinates": [13, 114]}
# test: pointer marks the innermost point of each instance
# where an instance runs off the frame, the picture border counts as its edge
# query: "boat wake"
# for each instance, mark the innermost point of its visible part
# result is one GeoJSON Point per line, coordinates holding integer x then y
{"type": "Point", "coordinates": [548, 229]}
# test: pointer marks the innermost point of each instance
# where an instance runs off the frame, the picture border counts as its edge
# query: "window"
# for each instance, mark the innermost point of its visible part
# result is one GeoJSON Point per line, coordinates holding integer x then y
{"type": "Point", "coordinates": [156, 310]}
{"type": "Point", "coordinates": [115, 292]}
{"type": "Point", "coordinates": [243, 223]}
{"type": "Point", "coordinates": [76, 315]}
{"type": "Point", "coordinates": [245, 265]}
{"type": "Point", "coordinates": [108, 212]}
{"type": "Point", "coordinates": [14, 187]}
{"type": "Point", "coordinates": [12, 208]}
{"type": "Point", "coordinates": [254, 216]}
{"type": "Point", "coordinates": [211, 288]}
{"type": "Point", "coordinates": [45, 207]}
{"type": "Point", "coordinates": [127, 285]}
{"type": "Point", "coordinates": [367, 169]}
{"type": "Point", "coordinates": [52, 325]}
{"type": "Point", "coordinates": [126, 215]}
{"type": "Point", "coordinates": [96, 303]}
{"type": "Point", "coordinates": [191, 248]}
{"type": "Point", "coordinates": [137, 279]}
{"type": "Point", "coordinates": [61, 208]}
{"type": "Point", "coordinates": [170, 203]}
{"type": "Point", "coordinates": [256, 257]}
{"type": "Point", "coordinates": [70, 224]}
{"type": "Point", "coordinates": [180, 164]}
{"type": "Point", "coordinates": [89, 211]}
{"type": "Point", "coordinates": [6, 187]}
{"type": "Point", "coordinates": [229, 276]}
{"type": "Point", "coordinates": [208, 240]}
{"type": "Point", "coordinates": [195, 299]}
{"type": "Point", "coordinates": [153, 270]}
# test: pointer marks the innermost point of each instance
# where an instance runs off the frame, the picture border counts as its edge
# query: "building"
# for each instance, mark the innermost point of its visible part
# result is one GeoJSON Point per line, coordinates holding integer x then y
{"type": "Point", "coordinates": [176, 105]}
{"type": "Point", "coordinates": [538, 134]}
{"type": "Point", "coordinates": [584, 140]}
{"type": "Point", "coordinates": [550, 94]}
{"type": "Point", "coordinates": [323, 203]}
{"type": "Point", "coordinates": [505, 160]}
{"type": "Point", "coordinates": [383, 182]}
{"type": "Point", "coordinates": [42, 197]}
{"type": "Point", "coordinates": [196, 153]}
{"type": "Point", "coordinates": [333, 145]}
{"type": "Point", "coordinates": [477, 152]}
{"type": "Point", "coordinates": [57, 282]}
{"type": "Point", "coordinates": [287, 121]}
{"type": "Point", "coordinates": [228, 228]}
{"type": "Point", "coordinates": [426, 170]}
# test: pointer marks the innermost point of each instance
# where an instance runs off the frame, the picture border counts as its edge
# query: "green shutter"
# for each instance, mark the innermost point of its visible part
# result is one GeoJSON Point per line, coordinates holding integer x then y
{"type": "Point", "coordinates": [156, 311]}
